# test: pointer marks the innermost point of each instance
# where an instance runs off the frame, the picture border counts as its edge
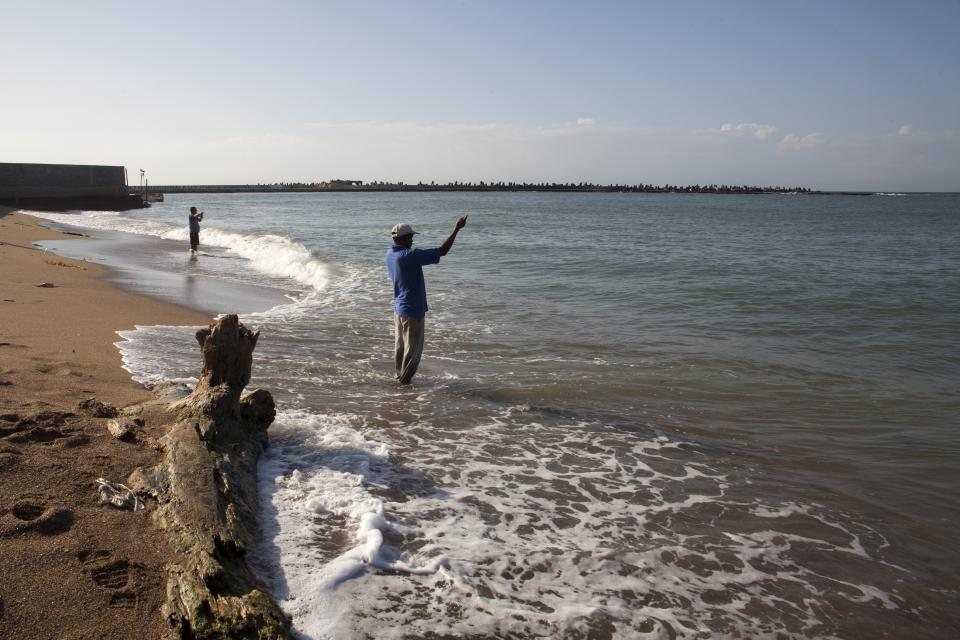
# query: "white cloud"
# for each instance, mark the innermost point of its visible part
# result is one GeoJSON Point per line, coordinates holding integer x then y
{"type": "Point", "coordinates": [586, 122]}
{"type": "Point", "coordinates": [757, 130]}
{"type": "Point", "coordinates": [793, 142]}
{"type": "Point", "coordinates": [905, 129]}
{"type": "Point", "coordinates": [260, 140]}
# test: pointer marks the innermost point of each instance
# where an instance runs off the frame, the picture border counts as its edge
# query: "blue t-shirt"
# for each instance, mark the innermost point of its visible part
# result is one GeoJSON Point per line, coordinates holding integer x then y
{"type": "Point", "coordinates": [406, 271]}
{"type": "Point", "coordinates": [194, 223]}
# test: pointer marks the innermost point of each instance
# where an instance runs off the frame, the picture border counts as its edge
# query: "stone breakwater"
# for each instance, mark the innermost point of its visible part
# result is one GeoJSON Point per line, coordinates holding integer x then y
{"type": "Point", "coordinates": [206, 490]}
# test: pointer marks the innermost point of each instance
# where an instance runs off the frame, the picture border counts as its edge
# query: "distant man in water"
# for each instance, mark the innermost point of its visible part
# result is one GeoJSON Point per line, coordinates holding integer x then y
{"type": "Point", "coordinates": [195, 219]}
{"type": "Point", "coordinates": [405, 265]}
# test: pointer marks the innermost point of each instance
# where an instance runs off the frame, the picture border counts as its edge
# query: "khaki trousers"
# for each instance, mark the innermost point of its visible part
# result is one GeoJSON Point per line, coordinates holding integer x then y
{"type": "Point", "coordinates": [408, 346]}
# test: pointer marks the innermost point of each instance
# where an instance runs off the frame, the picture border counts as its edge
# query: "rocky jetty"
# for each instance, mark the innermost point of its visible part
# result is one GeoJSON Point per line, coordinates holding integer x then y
{"type": "Point", "coordinates": [207, 495]}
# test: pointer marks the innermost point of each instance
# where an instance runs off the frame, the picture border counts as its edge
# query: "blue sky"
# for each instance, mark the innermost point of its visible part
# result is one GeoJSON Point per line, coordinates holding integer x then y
{"type": "Point", "coordinates": [858, 95]}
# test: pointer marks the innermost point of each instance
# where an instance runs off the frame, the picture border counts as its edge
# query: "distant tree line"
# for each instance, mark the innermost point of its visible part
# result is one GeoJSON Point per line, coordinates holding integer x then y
{"type": "Point", "coordinates": [356, 185]}
{"type": "Point", "coordinates": [582, 186]}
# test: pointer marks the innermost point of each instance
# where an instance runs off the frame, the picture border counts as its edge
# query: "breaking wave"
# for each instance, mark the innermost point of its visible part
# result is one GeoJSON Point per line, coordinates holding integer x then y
{"type": "Point", "coordinates": [270, 254]}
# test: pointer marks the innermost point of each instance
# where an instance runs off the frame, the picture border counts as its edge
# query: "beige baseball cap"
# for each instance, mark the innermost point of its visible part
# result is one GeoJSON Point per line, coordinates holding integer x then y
{"type": "Point", "coordinates": [402, 229]}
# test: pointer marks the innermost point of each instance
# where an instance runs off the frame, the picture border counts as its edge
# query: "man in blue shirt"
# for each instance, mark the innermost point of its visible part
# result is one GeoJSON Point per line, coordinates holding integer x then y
{"type": "Point", "coordinates": [405, 265]}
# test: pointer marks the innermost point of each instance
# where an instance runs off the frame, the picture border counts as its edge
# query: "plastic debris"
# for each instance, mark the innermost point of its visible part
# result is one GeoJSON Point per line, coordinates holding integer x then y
{"type": "Point", "coordinates": [119, 495]}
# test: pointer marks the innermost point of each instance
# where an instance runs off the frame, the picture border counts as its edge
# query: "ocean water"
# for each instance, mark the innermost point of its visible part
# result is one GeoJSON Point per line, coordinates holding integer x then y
{"type": "Point", "coordinates": [638, 415]}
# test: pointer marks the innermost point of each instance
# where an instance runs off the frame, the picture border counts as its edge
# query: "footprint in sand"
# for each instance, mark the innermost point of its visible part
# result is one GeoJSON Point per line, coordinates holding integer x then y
{"type": "Point", "coordinates": [90, 556]}
{"type": "Point", "coordinates": [8, 424]}
{"type": "Point", "coordinates": [45, 428]}
{"type": "Point", "coordinates": [36, 434]}
{"type": "Point", "coordinates": [9, 456]}
{"type": "Point", "coordinates": [61, 368]}
{"type": "Point", "coordinates": [123, 600]}
{"type": "Point", "coordinates": [113, 575]}
{"type": "Point", "coordinates": [66, 371]}
{"type": "Point", "coordinates": [32, 515]}
{"type": "Point", "coordinates": [72, 441]}
{"type": "Point", "coordinates": [117, 576]}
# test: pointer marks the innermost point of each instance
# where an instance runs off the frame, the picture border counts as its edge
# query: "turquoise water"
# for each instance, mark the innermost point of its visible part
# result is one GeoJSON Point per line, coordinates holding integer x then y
{"type": "Point", "coordinates": [637, 415]}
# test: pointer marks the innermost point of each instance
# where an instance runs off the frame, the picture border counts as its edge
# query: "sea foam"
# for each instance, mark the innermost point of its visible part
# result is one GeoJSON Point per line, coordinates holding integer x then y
{"type": "Point", "coordinates": [516, 527]}
{"type": "Point", "coordinates": [269, 254]}
{"type": "Point", "coordinates": [315, 484]}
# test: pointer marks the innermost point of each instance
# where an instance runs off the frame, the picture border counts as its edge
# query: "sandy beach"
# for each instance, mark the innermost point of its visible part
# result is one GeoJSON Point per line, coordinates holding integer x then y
{"type": "Point", "coordinates": [71, 567]}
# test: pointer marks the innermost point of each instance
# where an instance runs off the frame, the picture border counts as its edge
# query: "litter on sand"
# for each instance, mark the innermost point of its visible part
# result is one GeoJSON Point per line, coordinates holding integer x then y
{"type": "Point", "coordinates": [119, 495]}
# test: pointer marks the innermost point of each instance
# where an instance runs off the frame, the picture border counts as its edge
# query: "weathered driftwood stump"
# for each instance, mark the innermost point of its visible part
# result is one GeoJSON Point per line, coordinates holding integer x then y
{"type": "Point", "coordinates": [206, 486]}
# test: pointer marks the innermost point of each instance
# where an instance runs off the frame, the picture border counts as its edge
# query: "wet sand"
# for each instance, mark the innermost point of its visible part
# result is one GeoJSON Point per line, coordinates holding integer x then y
{"type": "Point", "coordinates": [71, 567]}
{"type": "Point", "coordinates": [162, 270]}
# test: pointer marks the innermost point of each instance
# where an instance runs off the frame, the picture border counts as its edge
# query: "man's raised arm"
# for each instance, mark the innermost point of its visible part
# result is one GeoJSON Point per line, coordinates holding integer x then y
{"type": "Point", "coordinates": [445, 247]}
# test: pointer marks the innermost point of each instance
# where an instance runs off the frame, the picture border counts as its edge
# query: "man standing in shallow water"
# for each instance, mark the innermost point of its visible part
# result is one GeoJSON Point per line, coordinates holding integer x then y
{"type": "Point", "coordinates": [194, 219]}
{"type": "Point", "coordinates": [405, 265]}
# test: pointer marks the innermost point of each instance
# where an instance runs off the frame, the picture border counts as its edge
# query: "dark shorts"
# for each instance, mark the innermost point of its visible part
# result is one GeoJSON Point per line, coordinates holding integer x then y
{"type": "Point", "coordinates": [194, 238]}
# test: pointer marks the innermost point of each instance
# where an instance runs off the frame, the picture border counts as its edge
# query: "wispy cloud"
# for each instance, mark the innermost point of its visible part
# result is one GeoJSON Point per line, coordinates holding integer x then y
{"type": "Point", "coordinates": [757, 130]}
{"type": "Point", "coordinates": [257, 140]}
{"type": "Point", "coordinates": [794, 142]}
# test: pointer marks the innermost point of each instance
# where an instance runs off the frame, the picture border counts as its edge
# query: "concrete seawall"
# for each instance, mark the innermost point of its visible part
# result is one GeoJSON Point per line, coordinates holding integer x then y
{"type": "Point", "coordinates": [59, 187]}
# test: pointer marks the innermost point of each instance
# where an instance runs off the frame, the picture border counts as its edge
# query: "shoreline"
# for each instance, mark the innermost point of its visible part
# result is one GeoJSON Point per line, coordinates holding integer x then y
{"type": "Point", "coordinates": [72, 567]}
{"type": "Point", "coordinates": [59, 341]}
{"type": "Point", "coordinates": [160, 269]}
